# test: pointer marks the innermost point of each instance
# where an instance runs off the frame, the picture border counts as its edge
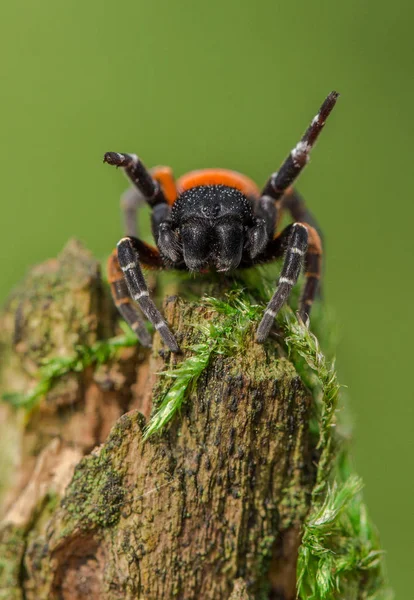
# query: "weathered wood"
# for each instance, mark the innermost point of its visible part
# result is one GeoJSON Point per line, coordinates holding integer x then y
{"type": "Point", "coordinates": [210, 508]}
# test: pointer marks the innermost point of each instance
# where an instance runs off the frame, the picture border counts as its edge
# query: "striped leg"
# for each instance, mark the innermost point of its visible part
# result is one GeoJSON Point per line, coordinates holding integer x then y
{"type": "Point", "coordinates": [132, 198]}
{"type": "Point", "coordinates": [150, 186]}
{"type": "Point", "coordinates": [291, 168]}
{"type": "Point", "coordinates": [295, 204]}
{"type": "Point", "coordinates": [123, 301]}
{"type": "Point", "coordinates": [138, 175]}
{"type": "Point", "coordinates": [297, 243]}
{"type": "Point", "coordinates": [313, 269]}
{"type": "Point", "coordinates": [128, 257]}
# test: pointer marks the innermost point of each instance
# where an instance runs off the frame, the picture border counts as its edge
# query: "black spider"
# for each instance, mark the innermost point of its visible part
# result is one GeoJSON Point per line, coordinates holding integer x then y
{"type": "Point", "coordinates": [216, 219]}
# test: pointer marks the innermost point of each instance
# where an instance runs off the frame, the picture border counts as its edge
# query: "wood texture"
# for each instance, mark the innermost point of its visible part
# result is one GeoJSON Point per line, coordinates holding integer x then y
{"type": "Point", "coordinates": [212, 508]}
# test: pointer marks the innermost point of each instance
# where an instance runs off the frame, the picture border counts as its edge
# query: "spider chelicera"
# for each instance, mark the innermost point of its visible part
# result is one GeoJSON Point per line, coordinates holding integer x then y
{"type": "Point", "coordinates": [217, 219]}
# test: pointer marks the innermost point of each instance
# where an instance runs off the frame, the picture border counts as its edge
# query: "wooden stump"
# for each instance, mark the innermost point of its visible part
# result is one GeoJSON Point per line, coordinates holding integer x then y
{"type": "Point", "coordinates": [211, 508]}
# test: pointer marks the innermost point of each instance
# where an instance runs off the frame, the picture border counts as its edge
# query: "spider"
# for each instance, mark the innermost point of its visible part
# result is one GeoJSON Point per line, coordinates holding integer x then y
{"type": "Point", "coordinates": [217, 219]}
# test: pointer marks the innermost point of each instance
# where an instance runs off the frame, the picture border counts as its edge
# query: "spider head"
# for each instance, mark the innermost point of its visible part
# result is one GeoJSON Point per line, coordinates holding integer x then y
{"type": "Point", "coordinates": [213, 225]}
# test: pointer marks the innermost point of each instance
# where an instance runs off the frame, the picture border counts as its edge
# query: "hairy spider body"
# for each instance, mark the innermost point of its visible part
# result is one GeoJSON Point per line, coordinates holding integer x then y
{"type": "Point", "coordinates": [213, 227]}
{"type": "Point", "coordinates": [216, 219]}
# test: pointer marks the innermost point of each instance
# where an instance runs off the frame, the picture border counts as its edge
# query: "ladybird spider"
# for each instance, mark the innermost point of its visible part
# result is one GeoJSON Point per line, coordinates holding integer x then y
{"type": "Point", "coordinates": [216, 218]}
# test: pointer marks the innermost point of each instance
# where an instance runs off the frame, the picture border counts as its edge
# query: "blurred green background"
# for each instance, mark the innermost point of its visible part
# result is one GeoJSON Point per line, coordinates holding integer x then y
{"type": "Point", "coordinates": [234, 84]}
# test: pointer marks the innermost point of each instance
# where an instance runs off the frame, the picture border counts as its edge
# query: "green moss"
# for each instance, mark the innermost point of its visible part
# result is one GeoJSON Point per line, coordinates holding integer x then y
{"type": "Point", "coordinates": [12, 547]}
{"type": "Point", "coordinates": [266, 546]}
{"type": "Point", "coordinates": [223, 336]}
{"type": "Point", "coordinates": [340, 554]}
{"type": "Point", "coordinates": [97, 491]}
{"type": "Point", "coordinates": [95, 495]}
{"type": "Point", "coordinates": [55, 368]}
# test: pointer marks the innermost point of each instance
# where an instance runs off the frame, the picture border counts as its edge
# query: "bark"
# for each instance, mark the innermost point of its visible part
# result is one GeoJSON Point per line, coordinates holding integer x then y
{"type": "Point", "coordinates": [210, 508]}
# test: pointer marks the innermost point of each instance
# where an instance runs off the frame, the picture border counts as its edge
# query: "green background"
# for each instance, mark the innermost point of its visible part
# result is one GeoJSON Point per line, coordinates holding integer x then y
{"type": "Point", "coordinates": [234, 84]}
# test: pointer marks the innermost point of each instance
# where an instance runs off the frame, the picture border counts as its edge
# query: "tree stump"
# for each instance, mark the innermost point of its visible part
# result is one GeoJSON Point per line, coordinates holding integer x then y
{"type": "Point", "coordinates": [212, 507]}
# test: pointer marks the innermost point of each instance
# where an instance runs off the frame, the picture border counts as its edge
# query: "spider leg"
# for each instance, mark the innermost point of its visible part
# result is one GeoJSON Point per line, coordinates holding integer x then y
{"type": "Point", "coordinates": [131, 200]}
{"type": "Point", "coordinates": [295, 239]}
{"type": "Point", "coordinates": [156, 187]}
{"type": "Point", "coordinates": [295, 204]}
{"type": "Point", "coordinates": [299, 212]}
{"type": "Point", "coordinates": [130, 251]}
{"type": "Point", "coordinates": [270, 200]}
{"type": "Point", "coordinates": [313, 270]}
{"type": "Point", "coordinates": [165, 177]}
{"type": "Point", "coordinates": [123, 302]}
{"type": "Point", "coordinates": [139, 175]}
{"type": "Point", "coordinates": [301, 244]}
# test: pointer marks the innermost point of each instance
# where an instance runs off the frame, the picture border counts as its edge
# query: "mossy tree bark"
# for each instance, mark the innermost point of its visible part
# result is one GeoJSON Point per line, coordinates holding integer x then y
{"type": "Point", "coordinates": [212, 507]}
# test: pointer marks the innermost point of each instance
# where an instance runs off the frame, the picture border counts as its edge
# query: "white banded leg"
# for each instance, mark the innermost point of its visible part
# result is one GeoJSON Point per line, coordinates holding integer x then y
{"type": "Point", "coordinates": [299, 156]}
{"type": "Point", "coordinates": [123, 302]}
{"type": "Point", "coordinates": [139, 175]}
{"type": "Point", "coordinates": [130, 314]}
{"type": "Point", "coordinates": [270, 202]}
{"type": "Point", "coordinates": [129, 262]}
{"type": "Point", "coordinates": [294, 256]}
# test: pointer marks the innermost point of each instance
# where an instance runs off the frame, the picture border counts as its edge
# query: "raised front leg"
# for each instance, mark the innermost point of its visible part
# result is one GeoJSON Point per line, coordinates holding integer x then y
{"type": "Point", "coordinates": [139, 175]}
{"type": "Point", "coordinates": [269, 203]}
{"type": "Point", "coordinates": [156, 187]}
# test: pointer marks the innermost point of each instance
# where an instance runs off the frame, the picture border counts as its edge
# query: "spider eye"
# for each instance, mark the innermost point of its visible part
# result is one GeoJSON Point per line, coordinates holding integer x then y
{"type": "Point", "coordinates": [211, 210]}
